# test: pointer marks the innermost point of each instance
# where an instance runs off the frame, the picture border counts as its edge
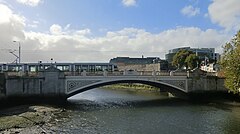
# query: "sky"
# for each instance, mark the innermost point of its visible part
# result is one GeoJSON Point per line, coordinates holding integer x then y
{"type": "Point", "coordinates": [98, 30]}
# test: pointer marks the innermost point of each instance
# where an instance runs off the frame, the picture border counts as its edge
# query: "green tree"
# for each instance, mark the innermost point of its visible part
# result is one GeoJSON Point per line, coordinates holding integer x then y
{"type": "Point", "coordinates": [231, 64]}
{"type": "Point", "coordinates": [184, 58]}
{"type": "Point", "coordinates": [192, 61]}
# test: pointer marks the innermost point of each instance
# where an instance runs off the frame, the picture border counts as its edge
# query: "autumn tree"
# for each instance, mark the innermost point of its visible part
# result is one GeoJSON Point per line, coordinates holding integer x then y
{"type": "Point", "coordinates": [231, 64]}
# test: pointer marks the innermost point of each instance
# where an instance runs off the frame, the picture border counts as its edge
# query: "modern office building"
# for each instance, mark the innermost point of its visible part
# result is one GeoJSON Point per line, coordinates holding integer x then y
{"type": "Point", "coordinates": [202, 53]}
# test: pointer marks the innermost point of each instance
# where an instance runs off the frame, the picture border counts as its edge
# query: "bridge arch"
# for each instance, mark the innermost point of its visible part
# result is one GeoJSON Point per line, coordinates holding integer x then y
{"type": "Point", "coordinates": [176, 91]}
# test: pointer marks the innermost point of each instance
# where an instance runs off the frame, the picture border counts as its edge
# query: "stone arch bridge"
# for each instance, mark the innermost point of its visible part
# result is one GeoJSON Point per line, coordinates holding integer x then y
{"type": "Point", "coordinates": [76, 84]}
{"type": "Point", "coordinates": [54, 83]}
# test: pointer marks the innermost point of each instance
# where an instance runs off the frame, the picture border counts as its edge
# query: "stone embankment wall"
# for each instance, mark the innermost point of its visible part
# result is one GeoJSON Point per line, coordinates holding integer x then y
{"type": "Point", "coordinates": [46, 84]}
{"type": "Point", "coordinates": [206, 84]}
{"type": "Point", "coordinates": [2, 85]}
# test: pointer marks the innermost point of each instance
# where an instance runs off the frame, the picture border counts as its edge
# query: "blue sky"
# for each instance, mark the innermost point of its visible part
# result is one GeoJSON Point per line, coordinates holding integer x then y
{"type": "Point", "coordinates": [152, 15]}
{"type": "Point", "coordinates": [98, 30]}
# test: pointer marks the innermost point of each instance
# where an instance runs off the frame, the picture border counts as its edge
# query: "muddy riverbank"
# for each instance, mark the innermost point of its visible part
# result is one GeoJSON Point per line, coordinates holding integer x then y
{"type": "Point", "coordinates": [29, 119]}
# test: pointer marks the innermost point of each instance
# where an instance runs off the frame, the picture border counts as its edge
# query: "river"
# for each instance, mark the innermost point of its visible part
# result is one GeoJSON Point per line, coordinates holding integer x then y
{"type": "Point", "coordinates": [124, 112]}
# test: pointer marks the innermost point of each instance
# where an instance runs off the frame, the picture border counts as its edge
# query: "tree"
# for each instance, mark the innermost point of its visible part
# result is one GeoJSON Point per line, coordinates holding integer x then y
{"type": "Point", "coordinates": [231, 64]}
{"type": "Point", "coordinates": [185, 58]}
{"type": "Point", "coordinates": [192, 61]}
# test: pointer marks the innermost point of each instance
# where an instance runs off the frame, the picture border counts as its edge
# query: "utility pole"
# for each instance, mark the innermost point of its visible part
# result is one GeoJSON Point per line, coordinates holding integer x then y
{"type": "Point", "coordinates": [12, 52]}
{"type": "Point", "coordinates": [19, 51]}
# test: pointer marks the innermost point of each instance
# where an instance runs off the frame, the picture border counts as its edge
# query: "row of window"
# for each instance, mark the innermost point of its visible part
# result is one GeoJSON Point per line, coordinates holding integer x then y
{"type": "Point", "coordinates": [63, 67]}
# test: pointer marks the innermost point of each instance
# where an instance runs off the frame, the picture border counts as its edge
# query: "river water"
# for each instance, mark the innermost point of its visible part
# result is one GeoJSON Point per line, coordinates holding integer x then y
{"type": "Point", "coordinates": [124, 112]}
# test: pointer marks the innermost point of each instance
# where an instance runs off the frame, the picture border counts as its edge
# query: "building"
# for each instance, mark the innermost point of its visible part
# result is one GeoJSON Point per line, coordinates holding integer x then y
{"type": "Point", "coordinates": [212, 67]}
{"type": "Point", "coordinates": [128, 60]}
{"type": "Point", "coordinates": [202, 53]}
{"type": "Point", "coordinates": [140, 64]}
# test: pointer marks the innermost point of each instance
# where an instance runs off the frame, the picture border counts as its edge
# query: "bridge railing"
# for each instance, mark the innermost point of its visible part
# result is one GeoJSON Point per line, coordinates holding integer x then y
{"type": "Point", "coordinates": [123, 73]}
{"type": "Point", "coordinates": [211, 74]}
{"type": "Point", "coordinates": [14, 73]}
{"type": "Point", "coordinates": [118, 73]}
{"type": "Point", "coordinates": [105, 73]}
{"type": "Point", "coordinates": [180, 73]}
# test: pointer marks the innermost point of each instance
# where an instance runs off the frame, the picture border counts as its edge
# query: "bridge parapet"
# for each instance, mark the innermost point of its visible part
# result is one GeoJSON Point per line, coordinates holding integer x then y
{"type": "Point", "coordinates": [127, 72]}
{"type": "Point", "coordinates": [101, 73]}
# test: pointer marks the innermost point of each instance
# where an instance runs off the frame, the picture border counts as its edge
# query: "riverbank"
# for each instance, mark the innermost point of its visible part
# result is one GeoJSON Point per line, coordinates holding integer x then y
{"type": "Point", "coordinates": [198, 97]}
{"type": "Point", "coordinates": [29, 119]}
{"type": "Point", "coordinates": [132, 87]}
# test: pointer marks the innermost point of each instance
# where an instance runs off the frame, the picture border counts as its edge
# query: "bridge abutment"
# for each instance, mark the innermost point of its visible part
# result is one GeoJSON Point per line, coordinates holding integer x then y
{"type": "Point", "coordinates": [46, 85]}
{"type": "Point", "coordinates": [198, 82]}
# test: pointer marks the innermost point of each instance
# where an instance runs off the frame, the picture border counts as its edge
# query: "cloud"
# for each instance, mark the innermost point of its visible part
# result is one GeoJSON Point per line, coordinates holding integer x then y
{"type": "Point", "coordinates": [67, 27]}
{"type": "Point", "coordinates": [64, 44]}
{"type": "Point", "coordinates": [75, 47]}
{"type": "Point", "coordinates": [7, 15]}
{"type": "Point", "coordinates": [225, 13]}
{"type": "Point", "coordinates": [33, 24]}
{"type": "Point", "coordinates": [56, 29]}
{"type": "Point", "coordinates": [129, 2]}
{"type": "Point", "coordinates": [31, 3]}
{"type": "Point", "coordinates": [11, 25]}
{"type": "Point", "coordinates": [190, 11]}
{"type": "Point", "coordinates": [83, 32]}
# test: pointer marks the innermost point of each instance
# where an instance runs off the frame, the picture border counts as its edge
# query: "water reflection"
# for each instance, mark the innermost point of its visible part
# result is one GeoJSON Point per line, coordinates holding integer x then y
{"type": "Point", "coordinates": [107, 111]}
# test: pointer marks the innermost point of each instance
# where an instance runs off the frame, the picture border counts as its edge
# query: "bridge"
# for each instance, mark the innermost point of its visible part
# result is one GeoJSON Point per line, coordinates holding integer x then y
{"type": "Point", "coordinates": [58, 84]}
{"type": "Point", "coordinates": [78, 84]}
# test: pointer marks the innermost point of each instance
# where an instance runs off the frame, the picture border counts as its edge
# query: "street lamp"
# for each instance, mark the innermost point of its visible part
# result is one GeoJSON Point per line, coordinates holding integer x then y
{"type": "Point", "coordinates": [19, 51]}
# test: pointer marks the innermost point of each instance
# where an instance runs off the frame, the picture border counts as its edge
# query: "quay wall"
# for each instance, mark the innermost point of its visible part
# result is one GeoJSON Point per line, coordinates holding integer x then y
{"type": "Point", "coordinates": [2, 85]}
{"type": "Point", "coordinates": [206, 84]}
{"type": "Point", "coordinates": [46, 84]}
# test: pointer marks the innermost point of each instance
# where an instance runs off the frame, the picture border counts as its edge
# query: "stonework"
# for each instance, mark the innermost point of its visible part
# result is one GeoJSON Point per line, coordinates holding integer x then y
{"type": "Point", "coordinates": [178, 83]}
{"type": "Point", "coordinates": [53, 83]}
{"type": "Point", "coordinates": [78, 83]}
{"type": "Point", "coordinates": [75, 84]}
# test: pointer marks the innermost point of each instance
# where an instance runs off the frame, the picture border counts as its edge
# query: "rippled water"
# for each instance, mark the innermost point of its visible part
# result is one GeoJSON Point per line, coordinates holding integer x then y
{"type": "Point", "coordinates": [122, 112]}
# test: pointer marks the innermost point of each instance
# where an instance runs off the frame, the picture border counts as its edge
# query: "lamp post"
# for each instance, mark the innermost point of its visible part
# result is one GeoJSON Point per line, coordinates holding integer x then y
{"type": "Point", "coordinates": [19, 51]}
